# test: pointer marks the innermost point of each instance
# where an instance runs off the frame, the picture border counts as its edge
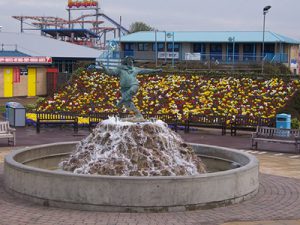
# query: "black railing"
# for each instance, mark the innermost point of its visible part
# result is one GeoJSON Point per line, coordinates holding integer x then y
{"type": "Point", "coordinates": [209, 121]}
{"type": "Point", "coordinates": [239, 122]}
{"type": "Point", "coordinates": [249, 123]}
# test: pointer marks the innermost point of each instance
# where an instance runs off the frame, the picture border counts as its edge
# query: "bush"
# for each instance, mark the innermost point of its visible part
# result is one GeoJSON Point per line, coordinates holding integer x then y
{"type": "Point", "coordinates": [30, 107]}
{"type": "Point", "coordinates": [2, 109]}
{"type": "Point", "coordinates": [293, 106]}
{"type": "Point", "coordinates": [40, 100]}
{"type": "Point", "coordinates": [295, 123]}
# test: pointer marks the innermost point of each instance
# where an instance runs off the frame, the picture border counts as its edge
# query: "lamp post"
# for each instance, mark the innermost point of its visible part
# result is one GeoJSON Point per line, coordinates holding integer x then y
{"type": "Point", "coordinates": [156, 48]}
{"type": "Point", "coordinates": [265, 11]}
{"type": "Point", "coordinates": [169, 35]}
{"type": "Point", "coordinates": [232, 39]}
{"type": "Point", "coordinates": [165, 47]}
{"type": "Point", "coordinates": [120, 45]}
{"type": "Point", "coordinates": [173, 46]}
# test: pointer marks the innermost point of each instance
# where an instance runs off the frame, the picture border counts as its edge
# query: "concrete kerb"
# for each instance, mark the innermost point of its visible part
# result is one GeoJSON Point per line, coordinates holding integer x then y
{"type": "Point", "coordinates": [128, 194]}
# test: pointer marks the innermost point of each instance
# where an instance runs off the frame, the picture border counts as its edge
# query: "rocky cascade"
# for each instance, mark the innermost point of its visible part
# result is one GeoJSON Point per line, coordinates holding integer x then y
{"type": "Point", "coordinates": [133, 149]}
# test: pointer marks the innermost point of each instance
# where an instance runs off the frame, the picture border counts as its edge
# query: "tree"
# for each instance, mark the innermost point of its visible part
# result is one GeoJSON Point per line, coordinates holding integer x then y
{"type": "Point", "coordinates": [139, 26]}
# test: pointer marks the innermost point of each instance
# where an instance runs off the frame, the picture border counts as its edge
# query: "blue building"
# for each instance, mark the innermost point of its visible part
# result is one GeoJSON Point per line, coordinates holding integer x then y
{"type": "Point", "coordinates": [219, 46]}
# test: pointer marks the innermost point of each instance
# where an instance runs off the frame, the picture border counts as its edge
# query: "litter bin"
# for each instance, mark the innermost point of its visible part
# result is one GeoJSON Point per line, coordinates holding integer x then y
{"type": "Point", "coordinates": [283, 121]}
{"type": "Point", "coordinates": [15, 113]}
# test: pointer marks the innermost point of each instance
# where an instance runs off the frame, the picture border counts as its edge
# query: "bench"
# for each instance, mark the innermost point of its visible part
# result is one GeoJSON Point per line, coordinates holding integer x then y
{"type": "Point", "coordinates": [278, 135]}
{"type": "Point", "coordinates": [56, 118]}
{"type": "Point", "coordinates": [170, 119]}
{"type": "Point", "coordinates": [7, 132]}
{"type": "Point", "coordinates": [210, 121]}
{"type": "Point", "coordinates": [249, 123]}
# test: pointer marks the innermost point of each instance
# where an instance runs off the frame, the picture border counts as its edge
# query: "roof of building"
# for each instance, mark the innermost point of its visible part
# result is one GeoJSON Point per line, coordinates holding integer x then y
{"type": "Point", "coordinates": [208, 36]}
{"type": "Point", "coordinates": [81, 33]}
{"type": "Point", "coordinates": [14, 53]}
{"type": "Point", "coordinates": [36, 45]}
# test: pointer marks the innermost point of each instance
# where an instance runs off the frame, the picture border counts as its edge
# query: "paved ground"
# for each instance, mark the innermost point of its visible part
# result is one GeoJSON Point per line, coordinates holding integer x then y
{"type": "Point", "coordinates": [277, 202]}
{"type": "Point", "coordinates": [28, 136]}
{"type": "Point", "coordinates": [23, 100]}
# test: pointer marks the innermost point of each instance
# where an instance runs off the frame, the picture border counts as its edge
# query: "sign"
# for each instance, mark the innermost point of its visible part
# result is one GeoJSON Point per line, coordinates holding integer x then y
{"type": "Point", "coordinates": [16, 75]}
{"type": "Point", "coordinates": [193, 56]}
{"type": "Point", "coordinates": [294, 63]}
{"type": "Point", "coordinates": [82, 3]}
{"type": "Point", "coordinates": [168, 55]}
{"type": "Point", "coordinates": [25, 60]}
{"type": "Point", "coordinates": [169, 35]}
{"type": "Point", "coordinates": [23, 71]}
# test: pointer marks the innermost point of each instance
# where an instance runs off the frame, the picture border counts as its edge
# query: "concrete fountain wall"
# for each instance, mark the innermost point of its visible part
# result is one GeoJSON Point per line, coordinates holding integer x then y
{"type": "Point", "coordinates": [27, 175]}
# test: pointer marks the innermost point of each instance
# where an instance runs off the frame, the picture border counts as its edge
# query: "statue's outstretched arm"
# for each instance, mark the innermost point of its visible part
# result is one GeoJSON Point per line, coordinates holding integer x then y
{"type": "Point", "coordinates": [149, 71]}
{"type": "Point", "coordinates": [110, 72]}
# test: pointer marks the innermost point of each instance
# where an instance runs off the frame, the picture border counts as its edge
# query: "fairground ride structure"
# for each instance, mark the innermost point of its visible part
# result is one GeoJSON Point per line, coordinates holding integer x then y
{"type": "Point", "coordinates": [91, 29]}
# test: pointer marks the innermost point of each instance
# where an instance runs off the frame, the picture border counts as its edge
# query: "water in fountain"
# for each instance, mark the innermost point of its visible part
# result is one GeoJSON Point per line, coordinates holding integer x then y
{"type": "Point", "coordinates": [122, 148]}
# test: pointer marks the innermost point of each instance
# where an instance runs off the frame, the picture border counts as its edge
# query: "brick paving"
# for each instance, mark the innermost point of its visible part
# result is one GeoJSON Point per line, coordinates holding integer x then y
{"type": "Point", "coordinates": [278, 197]}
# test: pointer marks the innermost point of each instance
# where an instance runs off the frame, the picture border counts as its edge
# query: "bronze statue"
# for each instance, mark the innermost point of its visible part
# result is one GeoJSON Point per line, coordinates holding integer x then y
{"type": "Point", "coordinates": [128, 82]}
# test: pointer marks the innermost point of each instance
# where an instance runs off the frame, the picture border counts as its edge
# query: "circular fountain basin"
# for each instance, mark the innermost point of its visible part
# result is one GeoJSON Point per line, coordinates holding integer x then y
{"type": "Point", "coordinates": [32, 174]}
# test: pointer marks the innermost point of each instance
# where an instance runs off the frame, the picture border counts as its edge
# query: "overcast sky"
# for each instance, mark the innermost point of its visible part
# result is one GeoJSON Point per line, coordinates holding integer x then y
{"type": "Point", "coordinates": [174, 15]}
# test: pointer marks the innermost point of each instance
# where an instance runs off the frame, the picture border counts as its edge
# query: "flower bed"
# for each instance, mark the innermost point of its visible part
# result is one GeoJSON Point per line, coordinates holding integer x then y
{"type": "Point", "coordinates": [176, 94]}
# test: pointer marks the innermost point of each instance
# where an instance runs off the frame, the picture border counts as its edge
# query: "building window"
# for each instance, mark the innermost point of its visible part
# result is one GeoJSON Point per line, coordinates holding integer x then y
{"type": "Point", "coordinates": [69, 66]}
{"type": "Point", "coordinates": [160, 47]}
{"type": "Point", "coordinates": [216, 48]}
{"type": "Point", "coordinates": [216, 51]}
{"type": "Point", "coordinates": [269, 48]}
{"type": "Point", "coordinates": [249, 52]}
{"type": "Point", "coordinates": [199, 47]}
{"type": "Point", "coordinates": [269, 52]}
{"type": "Point", "coordinates": [64, 66]}
{"type": "Point", "coordinates": [170, 47]}
{"type": "Point", "coordinates": [230, 51]}
{"type": "Point", "coordinates": [59, 66]}
{"type": "Point", "coordinates": [143, 47]}
{"type": "Point", "coordinates": [128, 47]}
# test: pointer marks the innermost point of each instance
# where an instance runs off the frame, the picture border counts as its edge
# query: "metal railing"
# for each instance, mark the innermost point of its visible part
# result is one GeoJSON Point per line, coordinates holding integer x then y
{"type": "Point", "coordinates": [219, 58]}
{"type": "Point", "coordinates": [8, 47]}
{"type": "Point", "coordinates": [194, 61]}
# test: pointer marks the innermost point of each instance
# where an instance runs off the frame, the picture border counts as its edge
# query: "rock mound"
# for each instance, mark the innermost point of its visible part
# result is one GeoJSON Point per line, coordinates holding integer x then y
{"type": "Point", "coordinates": [133, 149]}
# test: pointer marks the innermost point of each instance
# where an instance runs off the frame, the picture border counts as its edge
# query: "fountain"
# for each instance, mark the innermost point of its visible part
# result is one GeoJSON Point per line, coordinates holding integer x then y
{"type": "Point", "coordinates": [33, 174]}
{"type": "Point", "coordinates": [122, 148]}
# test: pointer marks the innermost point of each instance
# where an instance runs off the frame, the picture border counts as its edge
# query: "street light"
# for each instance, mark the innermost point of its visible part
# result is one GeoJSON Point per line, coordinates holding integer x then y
{"type": "Point", "coordinates": [232, 39]}
{"type": "Point", "coordinates": [265, 11]}
{"type": "Point", "coordinates": [165, 47]}
{"type": "Point", "coordinates": [169, 35]}
{"type": "Point", "coordinates": [156, 48]}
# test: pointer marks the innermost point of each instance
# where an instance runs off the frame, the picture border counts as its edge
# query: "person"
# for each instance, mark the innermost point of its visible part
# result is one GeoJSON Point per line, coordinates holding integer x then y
{"type": "Point", "coordinates": [129, 83]}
